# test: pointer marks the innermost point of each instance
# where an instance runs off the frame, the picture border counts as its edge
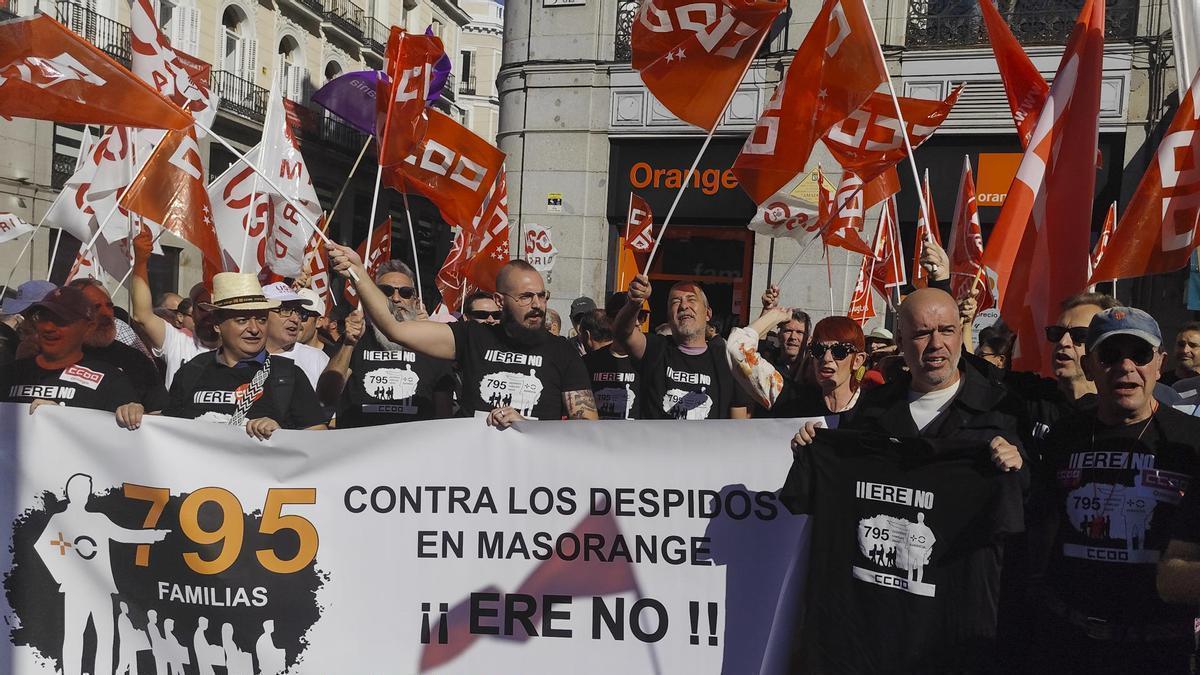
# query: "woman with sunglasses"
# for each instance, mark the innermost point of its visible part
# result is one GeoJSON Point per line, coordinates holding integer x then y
{"type": "Point", "coordinates": [836, 355]}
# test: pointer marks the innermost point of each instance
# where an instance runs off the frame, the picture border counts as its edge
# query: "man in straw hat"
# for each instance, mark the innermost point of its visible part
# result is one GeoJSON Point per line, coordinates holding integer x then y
{"type": "Point", "coordinates": [239, 383]}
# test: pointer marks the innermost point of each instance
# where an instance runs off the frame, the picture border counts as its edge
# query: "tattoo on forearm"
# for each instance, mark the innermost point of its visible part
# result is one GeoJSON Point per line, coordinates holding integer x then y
{"type": "Point", "coordinates": [579, 404]}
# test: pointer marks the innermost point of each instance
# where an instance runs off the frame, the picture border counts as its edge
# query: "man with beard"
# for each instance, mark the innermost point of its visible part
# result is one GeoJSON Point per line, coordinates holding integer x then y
{"type": "Point", "coordinates": [175, 346]}
{"type": "Point", "coordinates": [102, 343]}
{"type": "Point", "coordinates": [384, 382]}
{"type": "Point", "coordinates": [684, 376]}
{"type": "Point", "coordinates": [512, 371]}
{"type": "Point", "coordinates": [1187, 355]}
{"type": "Point", "coordinates": [283, 332]}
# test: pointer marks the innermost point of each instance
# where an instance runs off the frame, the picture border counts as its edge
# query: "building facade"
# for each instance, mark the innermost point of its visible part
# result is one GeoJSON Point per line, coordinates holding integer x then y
{"type": "Point", "coordinates": [479, 63]}
{"type": "Point", "coordinates": [582, 132]}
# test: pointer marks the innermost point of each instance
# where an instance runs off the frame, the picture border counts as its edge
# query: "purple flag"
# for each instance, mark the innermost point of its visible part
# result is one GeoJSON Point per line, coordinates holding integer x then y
{"type": "Point", "coordinates": [441, 71]}
{"type": "Point", "coordinates": [352, 98]}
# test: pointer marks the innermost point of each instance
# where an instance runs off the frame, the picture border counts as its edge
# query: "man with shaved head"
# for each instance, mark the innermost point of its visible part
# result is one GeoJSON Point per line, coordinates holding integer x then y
{"type": "Point", "coordinates": [511, 371]}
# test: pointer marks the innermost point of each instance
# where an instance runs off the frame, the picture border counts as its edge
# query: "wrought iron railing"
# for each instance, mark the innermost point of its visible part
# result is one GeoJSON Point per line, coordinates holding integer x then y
{"type": "Point", "coordinates": [240, 97]}
{"type": "Point", "coordinates": [450, 90]}
{"type": "Point", "coordinates": [467, 87]}
{"type": "Point", "coordinates": [61, 168]}
{"type": "Point", "coordinates": [336, 134]}
{"type": "Point", "coordinates": [936, 24]}
{"type": "Point", "coordinates": [375, 36]}
{"type": "Point", "coordinates": [313, 5]}
{"type": "Point", "coordinates": [110, 36]}
{"type": "Point", "coordinates": [346, 16]}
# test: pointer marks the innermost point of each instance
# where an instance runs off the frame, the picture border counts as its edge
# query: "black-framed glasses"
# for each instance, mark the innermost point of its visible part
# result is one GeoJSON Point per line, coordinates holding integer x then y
{"type": "Point", "coordinates": [484, 315]}
{"type": "Point", "coordinates": [406, 292]}
{"type": "Point", "coordinates": [840, 350]}
{"type": "Point", "coordinates": [285, 312]}
{"type": "Point", "coordinates": [525, 299]}
{"type": "Point", "coordinates": [1141, 353]}
{"type": "Point", "coordinates": [1056, 333]}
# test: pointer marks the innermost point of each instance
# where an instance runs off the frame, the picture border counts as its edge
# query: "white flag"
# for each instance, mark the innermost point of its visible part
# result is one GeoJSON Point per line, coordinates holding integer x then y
{"type": "Point", "coordinates": [281, 160]}
{"type": "Point", "coordinates": [12, 227]}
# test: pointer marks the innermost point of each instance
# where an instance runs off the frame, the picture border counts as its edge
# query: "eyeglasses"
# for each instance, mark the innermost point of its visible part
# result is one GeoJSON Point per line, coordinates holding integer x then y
{"type": "Point", "coordinates": [1141, 353]}
{"type": "Point", "coordinates": [285, 312]}
{"type": "Point", "coordinates": [484, 315]}
{"type": "Point", "coordinates": [526, 299]}
{"type": "Point", "coordinates": [406, 292]}
{"type": "Point", "coordinates": [840, 350]}
{"type": "Point", "coordinates": [1056, 333]}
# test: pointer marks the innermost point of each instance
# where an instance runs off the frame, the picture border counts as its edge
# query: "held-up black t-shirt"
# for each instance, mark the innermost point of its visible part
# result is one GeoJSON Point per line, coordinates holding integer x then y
{"type": "Point", "coordinates": [615, 384]}
{"type": "Point", "coordinates": [141, 371]}
{"type": "Point", "coordinates": [389, 386]}
{"type": "Point", "coordinates": [907, 542]}
{"type": "Point", "coordinates": [90, 383]}
{"type": "Point", "coordinates": [676, 385]}
{"type": "Point", "coordinates": [205, 388]}
{"type": "Point", "coordinates": [497, 371]}
{"type": "Point", "coordinates": [1108, 502]}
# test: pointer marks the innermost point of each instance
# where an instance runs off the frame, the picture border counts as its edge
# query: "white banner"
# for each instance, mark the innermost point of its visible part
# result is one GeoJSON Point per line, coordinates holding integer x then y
{"type": "Point", "coordinates": [540, 250]}
{"type": "Point", "coordinates": [12, 227]}
{"type": "Point", "coordinates": [445, 546]}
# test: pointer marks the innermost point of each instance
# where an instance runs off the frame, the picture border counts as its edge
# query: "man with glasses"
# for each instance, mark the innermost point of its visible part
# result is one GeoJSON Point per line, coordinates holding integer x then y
{"type": "Point", "coordinates": [312, 317]}
{"type": "Point", "coordinates": [284, 329]}
{"type": "Point", "coordinates": [384, 382]}
{"type": "Point", "coordinates": [1112, 483]}
{"type": "Point", "coordinates": [511, 371]}
{"type": "Point", "coordinates": [684, 376]}
{"type": "Point", "coordinates": [481, 307]}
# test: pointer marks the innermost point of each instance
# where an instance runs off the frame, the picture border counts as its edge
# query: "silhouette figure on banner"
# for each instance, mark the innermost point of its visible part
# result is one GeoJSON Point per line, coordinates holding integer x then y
{"type": "Point", "coordinates": [237, 662]}
{"type": "Point", "coordinates": [177, 655]}
{"type": "Point", "coordinates": [920, 548]}
{"type": "Point", "coordinates": [74, 546]}
{"type": "Point", "coordinates": [208, 656]}
{"type": "Point", "coordinates": [271, 659]}
{"type": "Point", "coordinates": [156, 643]}
{"type": "Point", "coordinates": [131, 641]}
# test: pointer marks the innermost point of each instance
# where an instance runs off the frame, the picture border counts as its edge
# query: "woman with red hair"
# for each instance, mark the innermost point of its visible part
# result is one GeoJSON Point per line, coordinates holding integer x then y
{"type": "Point", "coordinates": [837, 352]}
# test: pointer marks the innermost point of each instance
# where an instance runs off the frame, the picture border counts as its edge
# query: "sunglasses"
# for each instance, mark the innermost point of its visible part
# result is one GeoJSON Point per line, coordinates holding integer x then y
{"type": "Point", "coordinates": [44, 316]}
{"type": "Point", "coordinates": [1056, 333]}
{"type": "Point", "coordinates": [406, 292]}
{"type": "Point", "coordinates": [1110, 354]}
{"type": "Point", "coordinates": [483, 314]}
{"type": "Point", "coordinates": [840, 350]}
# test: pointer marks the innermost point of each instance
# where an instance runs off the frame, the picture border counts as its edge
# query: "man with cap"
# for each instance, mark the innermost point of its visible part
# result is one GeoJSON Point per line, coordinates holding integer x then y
{"type": "Point", "coordinates": [239, 383]}
{"type": "Point", "coordinates": [61, 373]}
{"type": "Point", "coordinates": [312, 318]}
{"type": "Point", "coordinates": [581, 306]}
{"type": "Point", "coordinates": [283, 331]}
{"type": "Point", "coordinates": [1109, 490]}
{"type": "Point", "coordinates": [10, 316]}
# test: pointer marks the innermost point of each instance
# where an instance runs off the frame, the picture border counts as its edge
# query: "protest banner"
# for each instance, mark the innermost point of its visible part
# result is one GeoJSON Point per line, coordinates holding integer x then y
{"type": "Point", "coordinates": [648, 547]}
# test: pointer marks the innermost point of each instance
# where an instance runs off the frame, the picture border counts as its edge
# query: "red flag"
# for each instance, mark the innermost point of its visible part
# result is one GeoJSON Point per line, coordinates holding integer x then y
{"type": "Point", "coordinates": [1038, 251]}
{"type": "Point", "coordinates": [49, 73]}
{"type": "Point", "coordinates": [181, 78]}
{"type": "Point", "coordinates": [381, 251]}
{"type": "Point", "coordinates": [449, 279]}
{"type": "Point", "coordinates": [843, 226]}
{"type": "Point", "coordinates": [832, 73]}
{"type": "Point", "coordinates": [317, 266]}
{"type": "Point", "coordinates": [1106, 232]}
{"type": "Point", "coordinates": [639, 230]}
{"type": "Point", "coordinates": [400, 99]}
{"type": "Point", "coordinates": [1157, 232]}
{"type": "Point", "coordinates": [170, 191]}
{"type": "Point", "coordinates": [452, 167]}
{"type": "Point", "coordinates": [889, 266]}
{"type": "Point", "coordinates": [862, 303]}
{"type": "Point", "coordinates": [1023, 84]}
{"type": "Point", "coordinates": [488, 251]}
{"type": "Point", "coordinates": [693, 56]}
{"type": "Point", "coordinates": [926, 231]}
{"type": "Point", "coordinates": [966, 241]}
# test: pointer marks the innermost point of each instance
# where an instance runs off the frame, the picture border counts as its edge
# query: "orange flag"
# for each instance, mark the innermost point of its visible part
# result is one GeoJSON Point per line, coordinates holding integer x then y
{"type": "Point", "coordinates": [889, 261]}
{"type": "Point", "coordinates": [833, 72]}
{"type": "Point", "coordinates": [451, 166]}
{"type": "Point", "coordinates": [692, 57]}
{"type": "Point", "coordinates": [1037, 254]}
{"type": "Point", "coordinates": [400, 99]}
{"type": "Point", "coordinates": [1023, 84]}
{"type": "Point", "coordinates": [449, 279]}
{"type": "Point", "coordinates": [49, 73]}
{"type": "Point", "coordinates": [966, 243]}
{"type": "Point", "coordinates": [1157, 233]}
{"type": "Point", "coordinates": [926, 231]}
{"type": "Point", "coordinates": [1110, 223]}
{"type": "Point", "coordinates": [639, 230]}
{"type": "Point", "coordinates": [862, 302]}
{"type": "Point", "coordinates": [843, 227]}
{"type": "Point", "coordinates": [381, 251]}
{"type": "Point", "coordinates": [317, 267]}
{"type": "Point", "coordinates": [489, 249]}
{"type": "Point", "coordinates": [170, 191]}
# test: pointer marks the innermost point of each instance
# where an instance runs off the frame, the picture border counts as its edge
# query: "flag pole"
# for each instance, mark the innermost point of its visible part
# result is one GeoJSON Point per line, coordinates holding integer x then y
{"type": "Point", "coordinates": [696, 162]}
{"type": "Point", "coordinates": [248, 223]}
{"type": "Point", "coordinates": [829, 278]}
{"type": "Point", "coordinates": [820, 231]}
{"type": "Point", "coordinates": [53, 253]}
{"type": "Point", "coordinates": [24, 249]}
{"type": "Point", "coordinates": [374, 207]}
{"type": "Point", "coordinates": [412, 237]}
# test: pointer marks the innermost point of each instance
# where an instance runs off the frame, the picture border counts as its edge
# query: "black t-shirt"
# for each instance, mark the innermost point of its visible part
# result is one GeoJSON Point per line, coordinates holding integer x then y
{"type": "Point", "coordinates": [1043, 404]}
{"type": "Point", "coordinates": [143, 374]}
{"type": "Point", "coordinates": [90, 383]}
{"type": "Point", "coordinates": [615, 384]}
{"type": "Point", "coordinates": [1108, 502]}
{"type": "Point", "coordinates": [680, 386]}
{"type": "Point", "coordinates": [907, 545]}
{"type": "Point", "coordinates": [389, 386]}
{"type": "Point", "coordinates": [206, 388]}
{"type": "Point", "coordinates": [498, 371]}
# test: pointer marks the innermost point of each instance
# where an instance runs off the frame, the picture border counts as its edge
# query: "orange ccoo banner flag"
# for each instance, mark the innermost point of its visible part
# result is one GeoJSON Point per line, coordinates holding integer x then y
{"type": "Point", "coordinates": [889, 261]}
{"type": "Point", "coordinates": [488, 248]}
{"type": "Point", "coordinates": [400, 98]}
{"type": "Point", "coordinates": [49, 73]}
{"type": "Point", "coordinates": [693, 56]}
{"type": "Point", "coordinates": [639, 230]}
{"type": "Point", "coordinates": [1023, 84]}
{"type": "Point", "coordinates": [1106, 232]}
{"type": "Point", "coordinates": [927, 231]}
{"type": "Point", "coordinates": [1158, 231]}
{"type": "Point", "coordinates": [966, 243]}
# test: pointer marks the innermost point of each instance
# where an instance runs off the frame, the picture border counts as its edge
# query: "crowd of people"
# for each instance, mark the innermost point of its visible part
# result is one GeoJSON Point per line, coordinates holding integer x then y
{"type": "Point", "coordinates": [1105, 579]}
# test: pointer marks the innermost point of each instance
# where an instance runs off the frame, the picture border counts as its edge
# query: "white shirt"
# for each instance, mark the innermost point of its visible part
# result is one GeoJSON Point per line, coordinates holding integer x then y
{"type": "Point", "coordinates": [925, 407]}
{"type": "Point", "coordinates": [310, 359]}
{"type": "Point", "coordinates": [177, 349]}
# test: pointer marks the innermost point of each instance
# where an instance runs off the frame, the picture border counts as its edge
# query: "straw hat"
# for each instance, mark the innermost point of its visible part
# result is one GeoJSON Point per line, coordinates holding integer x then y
{"type": "Point", "coordinates": [236, 291]}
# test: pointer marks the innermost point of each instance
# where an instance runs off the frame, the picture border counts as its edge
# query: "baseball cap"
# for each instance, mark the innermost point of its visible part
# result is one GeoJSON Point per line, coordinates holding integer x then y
{"type": "Point", "coordinates": [27, 294]}
{"type": "Point", "coordinates": [67, 303]}
{"type": "Point", "coordinates": [315, 303]}
{"type": "Point", "coordinates": [282, 291]}
{"type": "Point", "coordinates": [880, 334]}
{"type": "Point", "coordinates": [582, 305]}
{"type": "Point", "coordinates": [1123, 321]}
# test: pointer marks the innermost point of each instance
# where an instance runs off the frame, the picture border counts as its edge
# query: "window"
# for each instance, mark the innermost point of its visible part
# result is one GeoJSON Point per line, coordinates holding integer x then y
{"type": "Point", "coordinates": [239, 54]}
{"type": "Point", "coordinates": [180, 22]}
{"type": "Point", "coordinates": [293, 76]}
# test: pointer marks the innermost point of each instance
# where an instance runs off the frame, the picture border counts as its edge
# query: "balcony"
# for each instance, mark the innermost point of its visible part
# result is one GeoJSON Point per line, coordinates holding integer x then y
{"type": "Point", "coordinates": [110, 36]}
{"type": "Point", "coordinates": [467, 88]}
{"type": "Point", "coordinates": [949, 24]}
{"type": "Point", "coordinates": [313, 6]}
{"type": "Point", "coordinates": [375, 36]}
{"type": "Point", "coordinates": [345, 16]}
{"type": "Point", "coordinates": [450, 90]}
{"type": "Point", "coordinates": [240, 97]}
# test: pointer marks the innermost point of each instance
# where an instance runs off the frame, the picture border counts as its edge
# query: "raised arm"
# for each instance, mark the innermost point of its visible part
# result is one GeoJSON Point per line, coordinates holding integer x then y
{"type": "Point", "coordinates": [427, 337]}
{"type": "Point", "coordinates": [625, 327]}
{"type": "Point", "coordinates": [141, 302]}
{"type": "Point", "coordinates": [754, 374]}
